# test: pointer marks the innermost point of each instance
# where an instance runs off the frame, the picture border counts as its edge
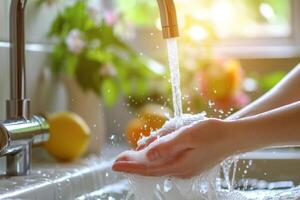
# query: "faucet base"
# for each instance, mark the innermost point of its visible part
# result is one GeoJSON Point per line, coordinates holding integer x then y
{"type": "Point", "coordinates": [18, 163]}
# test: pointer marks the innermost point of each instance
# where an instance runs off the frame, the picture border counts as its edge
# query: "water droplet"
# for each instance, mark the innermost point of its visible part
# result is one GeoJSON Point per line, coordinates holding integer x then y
{"type": "Point", "coordinates": [112, 137]}
{"type": "Point", "coordinates": [250, 162]}
{"type": "Point", "coordinates": [211, 104]}
{"type": "Point", "coordinates": [168, 185]}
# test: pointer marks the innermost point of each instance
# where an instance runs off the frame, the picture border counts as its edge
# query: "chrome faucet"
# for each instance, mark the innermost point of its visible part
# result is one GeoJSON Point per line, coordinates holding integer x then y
{"type": "Point", "coordinates": [20, 130]}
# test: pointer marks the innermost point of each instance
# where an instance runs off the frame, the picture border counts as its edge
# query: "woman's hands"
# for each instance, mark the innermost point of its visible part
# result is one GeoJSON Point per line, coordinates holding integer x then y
{"type": "Point", "coordinates": [184, 153]}
{"type": "Point", "coordinates": [171, 126]}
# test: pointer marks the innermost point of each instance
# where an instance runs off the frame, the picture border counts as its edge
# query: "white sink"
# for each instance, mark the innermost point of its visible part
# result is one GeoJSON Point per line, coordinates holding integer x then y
{"type": "Point", "coordinates": [51, 180]}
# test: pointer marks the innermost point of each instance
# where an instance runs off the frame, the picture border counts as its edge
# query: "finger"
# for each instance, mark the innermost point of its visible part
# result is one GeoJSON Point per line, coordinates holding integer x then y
{"type": "Point", "coordinates": [147, 143]}
{"type": "Point", "coordinates": [168, 146]}
{"type": "Point", "coordinates": [159, 133]}
{"type": "Point", "coordinates": [176, 167]}
{"type": "Point", "coordinates": [123, 158]}
{"type": "Point", "coordinates": [129, 167]}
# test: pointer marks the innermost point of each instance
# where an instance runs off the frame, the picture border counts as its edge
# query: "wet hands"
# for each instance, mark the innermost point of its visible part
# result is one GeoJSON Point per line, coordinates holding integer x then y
{"type": "Point", "coordinates": [184, 153]}
{"type": "Point", "coordinates": [169, 127]}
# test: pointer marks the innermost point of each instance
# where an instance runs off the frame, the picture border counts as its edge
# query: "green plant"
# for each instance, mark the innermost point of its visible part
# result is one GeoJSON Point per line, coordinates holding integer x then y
{"type": "Point", "coordinates": [88, 49]}
{"type": "Point", "coordinates": [139, 12]}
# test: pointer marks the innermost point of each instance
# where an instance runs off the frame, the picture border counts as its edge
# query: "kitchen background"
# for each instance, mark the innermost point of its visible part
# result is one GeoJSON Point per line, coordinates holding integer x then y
{"type": "Point", "coordinates": [254, 51]}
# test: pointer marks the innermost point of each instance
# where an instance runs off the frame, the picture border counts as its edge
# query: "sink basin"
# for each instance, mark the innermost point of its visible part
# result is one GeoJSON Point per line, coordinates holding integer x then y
{"type": "Point", "coordinates": [51, 180]}
{"type": "Point", "coordinates": [92, 178]}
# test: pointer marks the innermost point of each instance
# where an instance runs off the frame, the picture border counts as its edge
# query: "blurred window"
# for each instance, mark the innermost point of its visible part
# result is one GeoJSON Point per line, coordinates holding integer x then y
{"type": "Point", "coordinates": [243, 18]}
{"type": "Point", "coordinates": [226, 18]}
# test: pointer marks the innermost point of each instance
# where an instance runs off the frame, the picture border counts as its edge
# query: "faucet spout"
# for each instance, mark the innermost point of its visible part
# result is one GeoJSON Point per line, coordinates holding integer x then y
{"type": "Point", "coordinates": [168, 18]}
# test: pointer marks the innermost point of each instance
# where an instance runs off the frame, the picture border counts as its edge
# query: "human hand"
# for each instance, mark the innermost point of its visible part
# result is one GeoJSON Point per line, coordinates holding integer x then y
{"type": "Point", "coordinates": [184, 153]}
{"type": "Point", "coordinates": [169, 127]}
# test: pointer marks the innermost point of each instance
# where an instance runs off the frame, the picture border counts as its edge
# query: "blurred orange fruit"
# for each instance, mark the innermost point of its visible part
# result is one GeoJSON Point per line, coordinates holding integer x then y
{"type": "Point", "coordinates": [136, 129]}
{"type": "Point", "coordinates": [155, 115]}
{"type": "Point", "coordinates": [151, 118]}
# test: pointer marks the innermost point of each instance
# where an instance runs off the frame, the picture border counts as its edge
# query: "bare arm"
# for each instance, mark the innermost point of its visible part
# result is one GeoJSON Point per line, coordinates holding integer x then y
{"type": "Point", "coordinates": [278, 127]}
{"type": "Point", "coordinates": [285, 92]}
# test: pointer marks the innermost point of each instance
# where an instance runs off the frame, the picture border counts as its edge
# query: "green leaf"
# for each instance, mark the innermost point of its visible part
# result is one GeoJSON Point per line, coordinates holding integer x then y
{"type": "Point", "coordinates": [139, 12]}
{"type": "Point", "coordinates": [110, 91]}
{"type": "Point", "coordinates": [99, 55]}
{"type": "Point", "coordinates": [87, 74]}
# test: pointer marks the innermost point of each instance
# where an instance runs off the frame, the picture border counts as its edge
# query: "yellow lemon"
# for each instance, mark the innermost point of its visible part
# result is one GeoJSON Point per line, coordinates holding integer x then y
{"type": "Point", "coordinates": [69, 136]}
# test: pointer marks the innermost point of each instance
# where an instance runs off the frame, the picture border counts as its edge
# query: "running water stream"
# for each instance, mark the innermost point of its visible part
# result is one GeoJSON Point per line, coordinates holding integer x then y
{"type": "Point", "coordinates": [175, 76]}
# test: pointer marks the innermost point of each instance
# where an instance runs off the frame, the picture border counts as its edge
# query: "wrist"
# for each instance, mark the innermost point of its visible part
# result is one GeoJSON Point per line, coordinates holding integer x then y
{"type": "Point", "coordinates": [226, 137]}
{"type": "Point", "coordinates": [244, 136]}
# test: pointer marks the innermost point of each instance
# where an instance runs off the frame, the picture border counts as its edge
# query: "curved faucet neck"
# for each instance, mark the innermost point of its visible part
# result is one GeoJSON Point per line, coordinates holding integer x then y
{"type": "Point", "coordinates": [168, 18]}
{"type": "Point", "coordinates": [17, 105]}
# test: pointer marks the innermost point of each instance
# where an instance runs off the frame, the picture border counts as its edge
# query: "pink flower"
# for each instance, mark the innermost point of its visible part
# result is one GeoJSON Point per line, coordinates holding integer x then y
{"type": "Point", "coordinates": [111, 17]}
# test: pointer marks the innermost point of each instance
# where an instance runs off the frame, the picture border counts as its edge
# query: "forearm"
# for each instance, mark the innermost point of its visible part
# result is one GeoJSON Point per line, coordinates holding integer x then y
{"type": "Point", "coordinates": [278, 127]}
{"type": "Point", "coordinates": [285, 92]}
